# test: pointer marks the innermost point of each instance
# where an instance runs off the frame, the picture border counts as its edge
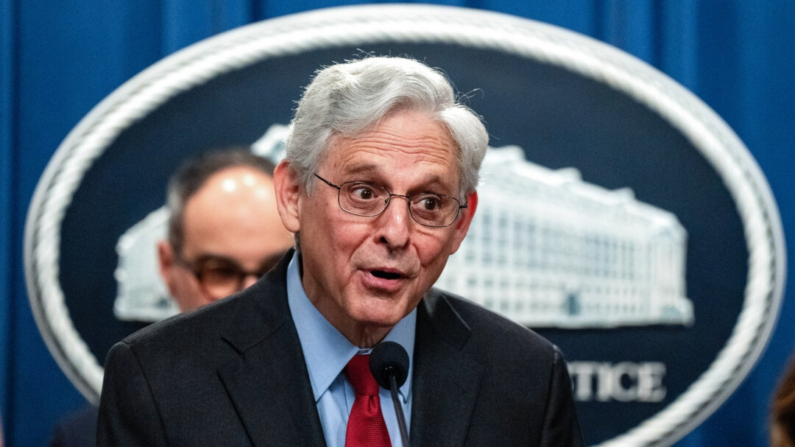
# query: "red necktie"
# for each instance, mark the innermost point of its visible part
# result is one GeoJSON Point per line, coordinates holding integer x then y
{"type": "Point", "coordinates": [366, 426]}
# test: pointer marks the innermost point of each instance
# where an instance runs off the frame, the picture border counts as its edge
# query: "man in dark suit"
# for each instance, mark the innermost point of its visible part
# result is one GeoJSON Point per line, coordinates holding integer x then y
{"type": "Point", "coordinates": [281, 363]}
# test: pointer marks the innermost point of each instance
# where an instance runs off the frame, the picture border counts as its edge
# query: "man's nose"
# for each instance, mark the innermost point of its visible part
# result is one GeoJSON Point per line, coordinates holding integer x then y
{"type": "Point", "coordinates": [249, 280]}
{"type": "Point", "coordinates": [395, 223]}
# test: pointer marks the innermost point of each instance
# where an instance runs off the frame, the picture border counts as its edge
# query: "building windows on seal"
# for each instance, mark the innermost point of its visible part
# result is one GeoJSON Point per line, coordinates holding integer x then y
{"type": "Point", "coordinates": [547, 249]}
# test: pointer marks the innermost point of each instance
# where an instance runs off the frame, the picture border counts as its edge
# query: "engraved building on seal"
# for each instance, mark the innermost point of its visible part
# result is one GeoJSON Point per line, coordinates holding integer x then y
{"type": "Point", "coordinates": [547, 249]}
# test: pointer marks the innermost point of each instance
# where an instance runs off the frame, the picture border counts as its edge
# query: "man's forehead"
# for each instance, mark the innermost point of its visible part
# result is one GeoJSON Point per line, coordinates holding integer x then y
{"type": "Point", "coordinates": [385, 174]}
{"type": "Point", "coordinates": [364, 168]}
{"type": "Point", "coordinates": [374, 164]}
{"type": "Point", "coordinates": [244, 175]}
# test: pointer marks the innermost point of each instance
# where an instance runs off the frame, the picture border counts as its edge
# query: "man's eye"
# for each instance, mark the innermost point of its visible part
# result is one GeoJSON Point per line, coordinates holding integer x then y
{"type": "Point", "coordinates": [430, 203]}
{"type": "Point", "coordinates": [223, 272]}
{"type": "Point", "coordinates": [363, 192]}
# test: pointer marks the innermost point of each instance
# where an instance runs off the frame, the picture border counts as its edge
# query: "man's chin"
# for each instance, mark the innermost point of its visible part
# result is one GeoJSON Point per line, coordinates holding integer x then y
{"type": "Point", "coordinates": [380, 318]}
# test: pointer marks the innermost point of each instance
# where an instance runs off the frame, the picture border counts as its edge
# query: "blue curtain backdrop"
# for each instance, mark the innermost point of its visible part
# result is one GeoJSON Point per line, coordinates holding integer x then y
{"type": "Point", "coordinates": [59, 59]}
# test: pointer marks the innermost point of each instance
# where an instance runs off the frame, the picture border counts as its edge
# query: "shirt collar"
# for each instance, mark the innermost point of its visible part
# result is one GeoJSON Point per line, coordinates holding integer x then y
{"type": "Point", "coordinates": [326, 350]}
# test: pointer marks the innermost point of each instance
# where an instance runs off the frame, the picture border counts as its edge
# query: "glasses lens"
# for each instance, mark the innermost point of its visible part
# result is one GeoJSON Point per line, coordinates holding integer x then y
{"type": "Point", "coordinates": [433, 210]}
{"type": "Point", "coordinates": [220, 278]}
{"type": "Point", "coordinates": [363, 199]}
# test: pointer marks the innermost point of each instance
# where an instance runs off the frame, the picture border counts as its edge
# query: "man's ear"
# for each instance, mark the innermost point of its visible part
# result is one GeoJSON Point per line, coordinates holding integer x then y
{"type": "Point", "coordinates": [166, 264]}
{"type": "Point", "coordinates": [288, 195]}
{"type": "Point", "coordinates": [461, 225]}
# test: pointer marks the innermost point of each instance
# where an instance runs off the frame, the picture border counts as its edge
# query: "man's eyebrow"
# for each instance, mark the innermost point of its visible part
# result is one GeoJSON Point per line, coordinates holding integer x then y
{"type": "Point", "coordinates": [434, 184]}
{"type": "Point", "coordinates": [433, 180]}
{"type": "Point", "coordinates": [205, 257]}
{"type": "Point", "coordinates": [367, 169]}
{"type": "Point", "coordinates": [359, 169]}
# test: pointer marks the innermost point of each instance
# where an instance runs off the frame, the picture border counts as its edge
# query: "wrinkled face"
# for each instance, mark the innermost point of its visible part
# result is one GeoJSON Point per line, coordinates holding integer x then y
{"type": "Point", "coordinates": [231, 225]}
{"type": "Point", "coordinates": [366, 273]}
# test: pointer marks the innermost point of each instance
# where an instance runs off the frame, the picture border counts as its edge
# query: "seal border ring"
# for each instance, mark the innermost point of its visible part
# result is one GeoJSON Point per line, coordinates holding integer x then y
{"type": "Point", "coordinates": [372, 24]}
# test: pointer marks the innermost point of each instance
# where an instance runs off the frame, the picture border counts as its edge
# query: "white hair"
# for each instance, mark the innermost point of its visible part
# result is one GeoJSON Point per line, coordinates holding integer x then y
{"type": "Point", "coordinates": [350, 98]}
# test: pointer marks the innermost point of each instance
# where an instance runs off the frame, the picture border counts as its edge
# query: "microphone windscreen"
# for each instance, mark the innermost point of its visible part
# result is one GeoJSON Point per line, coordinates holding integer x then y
{"type": "Point", "coordinates": [389, 358]}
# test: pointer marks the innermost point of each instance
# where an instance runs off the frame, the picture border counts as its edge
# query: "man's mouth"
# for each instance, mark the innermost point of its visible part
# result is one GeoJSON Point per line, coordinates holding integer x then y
{"type": "Point", "coordinates": [383, 274]}
{"type": "Point", "coordinates": [384, 279]}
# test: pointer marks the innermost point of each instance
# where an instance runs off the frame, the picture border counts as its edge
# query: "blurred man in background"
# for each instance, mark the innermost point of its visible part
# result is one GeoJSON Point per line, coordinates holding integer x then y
{"type": "Point", "coordinates": [224, 232]}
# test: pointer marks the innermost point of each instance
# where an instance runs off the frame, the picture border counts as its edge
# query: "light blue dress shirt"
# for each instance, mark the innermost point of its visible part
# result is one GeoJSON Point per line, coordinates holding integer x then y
{"type": "Point", "coordinates": [327, 351]}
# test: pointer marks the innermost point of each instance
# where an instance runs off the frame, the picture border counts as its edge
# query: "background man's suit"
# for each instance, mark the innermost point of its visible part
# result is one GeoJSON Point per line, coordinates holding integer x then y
{"type": "Point", "coordinates": [233, 373]}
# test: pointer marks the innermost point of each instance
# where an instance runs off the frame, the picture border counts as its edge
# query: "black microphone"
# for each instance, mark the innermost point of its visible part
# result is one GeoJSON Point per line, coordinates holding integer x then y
{"type": "Point", "coordinates": [389, 364]}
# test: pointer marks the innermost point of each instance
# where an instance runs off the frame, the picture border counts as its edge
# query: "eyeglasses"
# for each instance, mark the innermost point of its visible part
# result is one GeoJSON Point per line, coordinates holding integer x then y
{"type": "Point", "coordinates": [219, 277]}
{"type": "Point", "coordinates": [368, 200]}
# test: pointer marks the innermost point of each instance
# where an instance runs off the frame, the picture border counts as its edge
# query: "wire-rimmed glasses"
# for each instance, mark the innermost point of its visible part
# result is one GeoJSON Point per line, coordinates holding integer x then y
{"type": "Point", "coordinates": [369, 200]}
{"type": "Point", "coordinates": [219, 276]}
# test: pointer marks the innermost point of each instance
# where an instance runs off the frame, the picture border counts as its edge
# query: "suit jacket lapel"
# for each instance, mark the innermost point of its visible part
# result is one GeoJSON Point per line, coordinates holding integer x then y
{"type": "Point", "coordinates": [268, 382]}
{"type": "Point", "coordinates": [446, 378]}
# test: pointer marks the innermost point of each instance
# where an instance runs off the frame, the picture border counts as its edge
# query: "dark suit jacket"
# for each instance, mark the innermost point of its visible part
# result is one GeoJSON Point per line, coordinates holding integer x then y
{"type": "Point", "coordinates": [233, 374]}
{"type": "Point", "coordinates": [78, 429]}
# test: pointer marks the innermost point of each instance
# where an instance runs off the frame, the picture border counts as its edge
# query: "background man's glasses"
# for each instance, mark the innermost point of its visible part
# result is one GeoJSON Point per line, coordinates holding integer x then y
{"type": "Point", "coordinates": [369, 200]}
{"type": "Point", "coordinates": [220, 277]}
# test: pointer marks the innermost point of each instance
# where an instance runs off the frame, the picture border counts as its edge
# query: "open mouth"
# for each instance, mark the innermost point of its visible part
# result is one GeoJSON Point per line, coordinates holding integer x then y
{"type": "Point", "coordinates": [385, 275]}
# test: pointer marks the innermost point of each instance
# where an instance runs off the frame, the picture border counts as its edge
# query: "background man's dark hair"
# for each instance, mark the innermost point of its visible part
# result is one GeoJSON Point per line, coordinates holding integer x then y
{"type": "Point", "coordinates": [193, 174]}
{"type": "Point", "coordinates": [783, 410]}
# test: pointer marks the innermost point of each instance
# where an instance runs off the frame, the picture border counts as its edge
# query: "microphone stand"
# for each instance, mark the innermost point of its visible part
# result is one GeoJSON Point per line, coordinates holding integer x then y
{"type": "Point", "coordinates": [404, 434]}
{"type": "Point", "coordinates": [389, 365]}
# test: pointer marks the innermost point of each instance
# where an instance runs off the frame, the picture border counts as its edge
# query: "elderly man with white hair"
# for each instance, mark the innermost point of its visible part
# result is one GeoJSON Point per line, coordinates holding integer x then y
{"type": "Point", "coordinates": [378, 186]}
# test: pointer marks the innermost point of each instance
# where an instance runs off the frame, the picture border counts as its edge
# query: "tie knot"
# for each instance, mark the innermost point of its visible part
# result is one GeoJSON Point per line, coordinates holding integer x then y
{"type": "Point", "coordinates": [358, 372]}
